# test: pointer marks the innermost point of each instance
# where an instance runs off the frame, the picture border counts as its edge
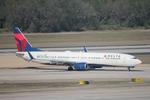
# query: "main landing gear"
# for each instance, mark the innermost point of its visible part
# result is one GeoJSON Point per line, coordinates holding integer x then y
{"type": "Point", "coordinates": [70, 68]}
{"type": "Point", "coordinates": [129, 68]}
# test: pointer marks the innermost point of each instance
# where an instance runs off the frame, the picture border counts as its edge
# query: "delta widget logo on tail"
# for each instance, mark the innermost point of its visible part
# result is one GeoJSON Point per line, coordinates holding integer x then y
{"type": "Point", "coordinates": [21, 41]}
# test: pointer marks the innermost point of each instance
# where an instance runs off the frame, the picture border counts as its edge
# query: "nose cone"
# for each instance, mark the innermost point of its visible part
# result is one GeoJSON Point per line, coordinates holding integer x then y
{"type": "Point", "coordinates": [138, 61]}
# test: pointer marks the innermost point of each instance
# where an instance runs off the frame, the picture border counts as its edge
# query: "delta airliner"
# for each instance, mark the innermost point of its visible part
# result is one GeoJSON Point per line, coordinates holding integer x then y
{"type": "Point", "coordinates": [74, 60]}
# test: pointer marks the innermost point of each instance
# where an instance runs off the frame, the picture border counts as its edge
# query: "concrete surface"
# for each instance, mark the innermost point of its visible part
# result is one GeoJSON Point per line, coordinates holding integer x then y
{"type": "Point", "coordinates": [54, 73]}
{"type": "Point", "coordinates": [21, 80]}
{"type": "Point", "coordinates": [58, 84]}
{"type": "Point", "coordinates": [83, 93]}
{"type": "Point", "coordinates": [132, 49]}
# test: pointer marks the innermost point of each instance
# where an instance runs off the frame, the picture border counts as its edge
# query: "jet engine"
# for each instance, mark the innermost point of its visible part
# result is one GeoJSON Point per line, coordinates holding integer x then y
{"type": "Point", "coordinates": [80, 66]}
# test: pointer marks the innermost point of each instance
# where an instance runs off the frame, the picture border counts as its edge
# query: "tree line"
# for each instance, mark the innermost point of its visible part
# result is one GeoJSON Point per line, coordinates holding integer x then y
{"type": "Point", "coordinates": [74, 15]}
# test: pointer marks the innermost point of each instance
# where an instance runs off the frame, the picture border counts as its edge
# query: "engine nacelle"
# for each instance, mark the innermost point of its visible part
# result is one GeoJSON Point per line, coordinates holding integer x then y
{"type": "Point", "coordinates": [80, 66]}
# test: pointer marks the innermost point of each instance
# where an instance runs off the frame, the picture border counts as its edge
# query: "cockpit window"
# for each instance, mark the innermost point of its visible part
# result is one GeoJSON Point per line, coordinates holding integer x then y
{"type": "Point", "coordinates": [134, 58]}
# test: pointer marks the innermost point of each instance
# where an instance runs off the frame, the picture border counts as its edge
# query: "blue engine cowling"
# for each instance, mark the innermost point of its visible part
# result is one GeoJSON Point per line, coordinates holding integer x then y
{"type": "Point", "coordinates": [80, 66]}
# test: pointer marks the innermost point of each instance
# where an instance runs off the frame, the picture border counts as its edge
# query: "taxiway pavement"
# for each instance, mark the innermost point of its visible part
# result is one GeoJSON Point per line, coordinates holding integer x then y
{"type": "Point", "coordinates": [119, 49]}
{"type": "Point", "coordinates": [21, 80]}
{"type": "Point", "coordinates": [58, 84]}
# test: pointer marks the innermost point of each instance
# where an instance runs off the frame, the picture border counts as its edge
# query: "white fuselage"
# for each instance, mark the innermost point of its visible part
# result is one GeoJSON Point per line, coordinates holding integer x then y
{"type": "Point", "coordinates": [108, 59]}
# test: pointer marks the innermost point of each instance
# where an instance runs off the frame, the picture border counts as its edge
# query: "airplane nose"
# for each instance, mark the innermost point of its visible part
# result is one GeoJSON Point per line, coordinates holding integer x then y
{"type": "Point", "coordinates": [138, 61]}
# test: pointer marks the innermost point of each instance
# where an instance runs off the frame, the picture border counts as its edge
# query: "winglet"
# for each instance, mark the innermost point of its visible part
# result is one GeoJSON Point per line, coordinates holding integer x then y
{"type": "Point", "coordinates": [85, 49]}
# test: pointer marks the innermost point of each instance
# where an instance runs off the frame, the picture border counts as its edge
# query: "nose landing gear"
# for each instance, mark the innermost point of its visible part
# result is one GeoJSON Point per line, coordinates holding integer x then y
{"type": "Point", "coordinates": [129, 69]}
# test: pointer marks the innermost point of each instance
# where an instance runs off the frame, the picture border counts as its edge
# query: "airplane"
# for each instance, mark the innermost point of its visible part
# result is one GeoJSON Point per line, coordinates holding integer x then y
{"type": "Point", "coordinates": [79, 61]}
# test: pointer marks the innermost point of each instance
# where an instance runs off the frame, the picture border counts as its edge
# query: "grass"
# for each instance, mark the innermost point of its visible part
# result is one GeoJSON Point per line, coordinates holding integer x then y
{"type": "Point", "coordinates": [114, 37]}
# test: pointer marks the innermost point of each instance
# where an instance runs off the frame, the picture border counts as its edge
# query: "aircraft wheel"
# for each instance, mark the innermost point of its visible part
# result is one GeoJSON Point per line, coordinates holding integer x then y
{"type": "Point", "coordinates": [129, 69]}
{"type": "Point", "coordinates": [70, 68]}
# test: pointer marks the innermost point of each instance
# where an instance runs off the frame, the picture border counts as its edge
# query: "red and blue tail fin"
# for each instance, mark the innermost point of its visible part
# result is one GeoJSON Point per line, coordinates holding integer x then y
{"type": "Point", "coordinates": [22, 42]}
